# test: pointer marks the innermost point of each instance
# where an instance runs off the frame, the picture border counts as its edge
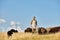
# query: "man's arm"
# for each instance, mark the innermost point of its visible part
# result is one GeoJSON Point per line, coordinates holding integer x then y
{"type": "Point", "coordinates": [36, 22]}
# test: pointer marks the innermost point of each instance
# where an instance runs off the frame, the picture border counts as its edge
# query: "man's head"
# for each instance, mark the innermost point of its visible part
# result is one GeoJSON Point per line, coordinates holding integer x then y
{"type": "Point", "coordinates": [34, 18]}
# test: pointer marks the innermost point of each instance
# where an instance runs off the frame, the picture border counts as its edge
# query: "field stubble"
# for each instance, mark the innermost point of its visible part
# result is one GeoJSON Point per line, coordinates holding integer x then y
{"type": "Point", "coordinates": [30, 36]}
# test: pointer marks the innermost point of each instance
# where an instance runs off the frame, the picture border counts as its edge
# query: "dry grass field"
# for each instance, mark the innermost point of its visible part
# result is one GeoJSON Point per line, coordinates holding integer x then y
{"type": "Point", "coordinates": [30, 36]}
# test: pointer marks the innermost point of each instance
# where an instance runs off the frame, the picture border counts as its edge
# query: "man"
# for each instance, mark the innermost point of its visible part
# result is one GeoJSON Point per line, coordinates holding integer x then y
{"type": "Point", "coordinates": [34, 24]}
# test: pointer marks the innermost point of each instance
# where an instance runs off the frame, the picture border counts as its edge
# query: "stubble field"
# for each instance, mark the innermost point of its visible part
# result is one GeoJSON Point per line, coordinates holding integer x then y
{"type": "Point", "coordinates": [29, 36]}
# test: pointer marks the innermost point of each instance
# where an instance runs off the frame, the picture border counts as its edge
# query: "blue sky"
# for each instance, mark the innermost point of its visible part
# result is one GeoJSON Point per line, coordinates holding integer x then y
{"type": "Point", "coordinates": [47, 12]}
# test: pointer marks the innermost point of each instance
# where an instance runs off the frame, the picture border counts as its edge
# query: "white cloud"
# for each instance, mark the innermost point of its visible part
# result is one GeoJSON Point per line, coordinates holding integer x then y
{"type": "Point", "coordinates": [19, 29]}
{"type": "Point", "coordinates": [14, 25]}
{"type": "Point", "coordinates": [2, 21]}
{"type": "Point", "coordinates": [18, 23]}
{"type": "Point", "coordinates": [9, 28]}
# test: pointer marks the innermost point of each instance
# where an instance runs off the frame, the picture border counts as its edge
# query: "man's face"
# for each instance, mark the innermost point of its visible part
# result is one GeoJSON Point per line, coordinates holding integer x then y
{"type": "Point", "coordinates": [34, 18]}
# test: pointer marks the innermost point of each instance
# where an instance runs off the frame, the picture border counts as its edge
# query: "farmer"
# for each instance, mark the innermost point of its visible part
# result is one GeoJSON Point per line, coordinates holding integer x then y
{"type": "Point", "coordinates": [34, 24]}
